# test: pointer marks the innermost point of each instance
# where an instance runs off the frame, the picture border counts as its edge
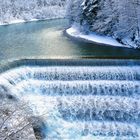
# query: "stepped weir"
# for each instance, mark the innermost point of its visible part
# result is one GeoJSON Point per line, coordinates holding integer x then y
{"type": "Point", "coordinates": [79, 99]}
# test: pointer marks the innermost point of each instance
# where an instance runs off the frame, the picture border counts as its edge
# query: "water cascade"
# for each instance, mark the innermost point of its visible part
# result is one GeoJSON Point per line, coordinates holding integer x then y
{"type": "Point", "coordinates": [78, 101]}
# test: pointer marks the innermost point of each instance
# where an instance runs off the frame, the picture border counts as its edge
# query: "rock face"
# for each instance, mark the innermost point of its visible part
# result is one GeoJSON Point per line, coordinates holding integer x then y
{"type": "Point", "coordinates": [39, 127]}
{"type": "Point", "coordinates": [117, 18]}
{"type": "Point", "coordinates": [26, 10]}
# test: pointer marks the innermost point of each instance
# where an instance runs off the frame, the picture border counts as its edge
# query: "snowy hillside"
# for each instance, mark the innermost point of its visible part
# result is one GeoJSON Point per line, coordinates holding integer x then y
{"type": "Point", "coordinates": [119, 19]}
{"type": "Point", "coordinates": [12, 11]}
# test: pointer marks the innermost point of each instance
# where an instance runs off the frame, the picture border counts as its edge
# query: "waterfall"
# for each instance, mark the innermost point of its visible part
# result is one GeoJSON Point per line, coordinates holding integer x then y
{"type": "Point", "coordinates": [80, 101]}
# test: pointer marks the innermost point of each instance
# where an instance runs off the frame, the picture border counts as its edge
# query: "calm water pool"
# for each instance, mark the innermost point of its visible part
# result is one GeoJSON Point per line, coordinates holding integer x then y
{"type": "Point", "coordinates": [46, 39]}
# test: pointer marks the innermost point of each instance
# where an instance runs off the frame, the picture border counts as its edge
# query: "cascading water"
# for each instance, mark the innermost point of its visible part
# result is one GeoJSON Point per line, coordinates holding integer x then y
{"type": "Point", "coordinates": [81, 102]}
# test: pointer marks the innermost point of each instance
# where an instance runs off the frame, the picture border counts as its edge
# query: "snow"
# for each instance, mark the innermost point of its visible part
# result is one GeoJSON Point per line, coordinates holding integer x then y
{"type": "Point", "coordinates": [74, 32]}
{"type": "Point", "coordinates": [23, 21]}
{"type": "Point", "coordinates": [18, 11]}
{"type": "Point", "coordinates": [13, 22]}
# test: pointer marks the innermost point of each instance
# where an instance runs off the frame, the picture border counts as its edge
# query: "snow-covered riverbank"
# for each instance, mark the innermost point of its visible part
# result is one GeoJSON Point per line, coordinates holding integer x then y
{"type": "Point", "coordinates": [92, 37]}
{"type": "Point", "coordinates": [116, 18]}
{"type": "Point", "coordinates": [32, 20]}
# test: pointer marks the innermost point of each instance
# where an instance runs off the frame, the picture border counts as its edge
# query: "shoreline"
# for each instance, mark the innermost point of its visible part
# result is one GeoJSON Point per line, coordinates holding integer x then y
{"type": "Point", "coordinates": [73, 33]}
{"type": "Point", "coordinates": [20, 21]}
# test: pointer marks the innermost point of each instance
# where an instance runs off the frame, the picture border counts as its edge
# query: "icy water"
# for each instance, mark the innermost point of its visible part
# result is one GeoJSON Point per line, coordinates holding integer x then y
{"type": "Point", "coordinates": [81, 100]}
{"type": "Point", "coordinates": [46, 39]}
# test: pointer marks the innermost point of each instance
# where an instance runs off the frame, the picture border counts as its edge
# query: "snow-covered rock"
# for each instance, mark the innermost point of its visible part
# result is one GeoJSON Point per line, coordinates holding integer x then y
{"type": "Point", "coordinates": [117, 18]}
{"type": "Point", "coordinates": [13, 11]}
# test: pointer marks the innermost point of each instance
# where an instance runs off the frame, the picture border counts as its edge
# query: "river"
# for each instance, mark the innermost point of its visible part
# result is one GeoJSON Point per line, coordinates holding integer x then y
{"type": "Point", "coordinates": [45, 39]}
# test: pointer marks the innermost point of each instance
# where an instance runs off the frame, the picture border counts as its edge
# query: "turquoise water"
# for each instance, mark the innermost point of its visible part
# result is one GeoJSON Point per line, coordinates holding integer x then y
{"type": "Point", "coordinates": [46, 39]}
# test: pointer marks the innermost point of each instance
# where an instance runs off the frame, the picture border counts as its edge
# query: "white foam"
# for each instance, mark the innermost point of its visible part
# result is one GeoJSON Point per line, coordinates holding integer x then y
{"type": "Point", "coordinates": [28, 83]}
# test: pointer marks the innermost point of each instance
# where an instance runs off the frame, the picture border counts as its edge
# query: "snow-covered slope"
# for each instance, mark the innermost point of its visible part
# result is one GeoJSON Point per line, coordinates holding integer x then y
{"type": "Point", "coordinates": [117, 18]}
{"type": "Point", "coordinates": [92, 37]}
{"type": "Point", "coordinates": [12, 11]}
